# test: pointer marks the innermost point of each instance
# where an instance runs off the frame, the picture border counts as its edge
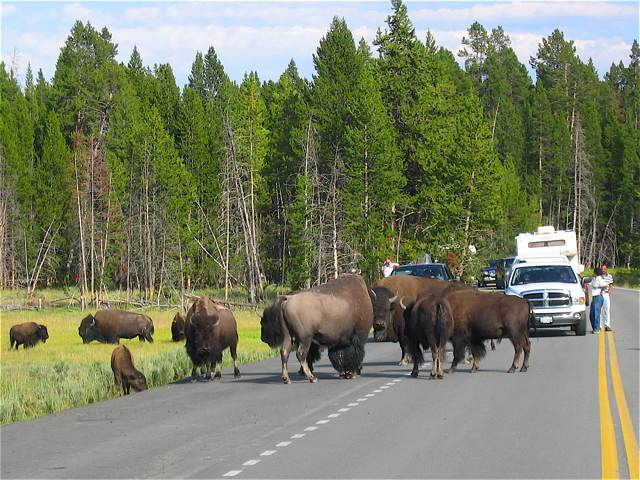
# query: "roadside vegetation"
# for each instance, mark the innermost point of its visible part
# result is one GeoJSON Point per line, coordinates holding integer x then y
{"type": "Point", "coordinates": [64, 373]}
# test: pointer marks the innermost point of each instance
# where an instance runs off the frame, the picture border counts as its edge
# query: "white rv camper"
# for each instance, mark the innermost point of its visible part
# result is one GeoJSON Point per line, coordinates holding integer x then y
{"type": "Point", "coordinates": [549, 243]}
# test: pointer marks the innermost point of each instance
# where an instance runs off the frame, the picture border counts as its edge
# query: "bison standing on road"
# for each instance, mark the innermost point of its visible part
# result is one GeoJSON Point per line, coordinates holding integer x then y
{"type": "Point", "coordinates": [338, 315]}
{"type": "Point", "coordinates": [390, 296]}
{"type": "Point", "coordinates": [210, 329]}
{"type": "Point", "coordinates": [109, 326]}
{"type": "Point", "coordinates": [27, 334]}
{"type": "Point", "coordinates": [124, 373]}
{"type": "Point", "coordinates": [177, 327]}
{"type": "Point", "coordinates": [477, 316]}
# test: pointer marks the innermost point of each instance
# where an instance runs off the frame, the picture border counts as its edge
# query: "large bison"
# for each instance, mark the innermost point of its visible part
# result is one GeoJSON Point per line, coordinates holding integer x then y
{"type": "Point", "coordinates": [27, 334]}
{"type": "Point", "coordinates": [475, 316]}
{"type": "Point", "coordinates": [177, 327]}
{"type": "Point", "coordinates": [337, 315]}
{"type": "Point", "coordinates": [125, 374]}
{"type": "Point", "coordinates": [390, 296]}
{"type": "Point", "coordinates": [421, 330]}
{"type": "Point", "coordinates": [210, 329]}
{"type": "Point", "coordinates": [109, 326]}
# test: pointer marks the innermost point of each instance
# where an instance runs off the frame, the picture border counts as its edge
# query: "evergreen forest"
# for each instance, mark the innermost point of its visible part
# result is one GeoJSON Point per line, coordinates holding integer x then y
{"type": "Point", "coordinates": [112, 176]}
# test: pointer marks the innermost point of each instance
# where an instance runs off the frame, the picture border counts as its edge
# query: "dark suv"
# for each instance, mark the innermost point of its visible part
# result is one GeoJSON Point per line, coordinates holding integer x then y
{"type": "Point", "coordinates": [488, 274]}
{"type": "Point", "coordinates": [503, 268]}
{"type": "Point", "coordinates": [429, 270]}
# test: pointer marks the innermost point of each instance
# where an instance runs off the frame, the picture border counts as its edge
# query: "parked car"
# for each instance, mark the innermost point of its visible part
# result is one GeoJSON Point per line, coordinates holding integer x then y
{"type": "Point", "coordinates": [428, 270]}
{"type": "Point", "coordinates": [554, 291]}
{"type": "Point", "coordinates": [503, 268]}
{"type": "Point", "coordinates": [488, 274]}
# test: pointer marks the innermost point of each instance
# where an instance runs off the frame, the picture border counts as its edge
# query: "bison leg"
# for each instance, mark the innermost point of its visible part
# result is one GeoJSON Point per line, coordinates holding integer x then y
{"type": "Point", "coordinates": [148, 337]}
{"type": "Point", "coordinates": [434, 361]}
{"type": "Point", "coordinates": [208, 374]}
{"type": "Point", "coordinates": [285, 349]}
{"type": "Point", "coordinates": [516, 357]}
{"type": "Point", "coordinates": [234, 356]}
{"type": "Point", "coordinates": [458, 354]}
{"type": "Point", "coordinates": [218, 372]}
{"type": "Point", "coordinates": [493, 344]}
{"type": "Point", "coordinates": [194, 373]}
{"type": "Point", "coordinates": [117, 378]}
{"type": "Point", "coordinates": [303, 350]}
{"type": "Point", "coordinates": [527, 351]}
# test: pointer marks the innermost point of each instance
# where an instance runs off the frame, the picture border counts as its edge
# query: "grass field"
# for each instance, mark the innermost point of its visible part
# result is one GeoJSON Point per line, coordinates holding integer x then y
{"type": "Point", "coordinates": [65, 373]}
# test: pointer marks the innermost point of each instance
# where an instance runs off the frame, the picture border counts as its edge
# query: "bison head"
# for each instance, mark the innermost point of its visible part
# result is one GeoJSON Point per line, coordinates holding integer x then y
{"type": "Point", "coordinates": [383, 304]}
{"type": "Point", "coordinates": [177, 327]}
{"type": "Point", "coordinates": [138, 382]}
{"type": "Point", "coordinates": [271, 324]}
{"type": "Point", "coordinates": [347, 360]}
{"type": "Point", "coordinates": [43, 333]}
{"type": "Point", "coordinates": [87, 329]}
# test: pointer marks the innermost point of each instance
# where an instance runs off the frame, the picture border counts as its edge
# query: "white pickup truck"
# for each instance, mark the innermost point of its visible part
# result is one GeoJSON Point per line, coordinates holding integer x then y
{"type": "Point", "coordinates": [553, 288]}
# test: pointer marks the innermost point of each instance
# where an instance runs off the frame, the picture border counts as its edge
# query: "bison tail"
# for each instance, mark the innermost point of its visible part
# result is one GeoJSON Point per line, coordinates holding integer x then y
{"type": "Point", "coordinates": [443, 318]}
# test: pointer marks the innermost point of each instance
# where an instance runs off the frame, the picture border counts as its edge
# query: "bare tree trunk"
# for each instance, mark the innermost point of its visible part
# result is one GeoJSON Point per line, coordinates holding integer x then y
{"type": "Point", "coordinates": [495, 120]}
{"type": "Point", "coordinates": [84, 288]}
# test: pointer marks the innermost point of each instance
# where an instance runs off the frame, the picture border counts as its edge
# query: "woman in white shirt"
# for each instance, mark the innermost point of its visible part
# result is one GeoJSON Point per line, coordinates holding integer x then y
{"type": "Point", "coordinates": [597, 284]}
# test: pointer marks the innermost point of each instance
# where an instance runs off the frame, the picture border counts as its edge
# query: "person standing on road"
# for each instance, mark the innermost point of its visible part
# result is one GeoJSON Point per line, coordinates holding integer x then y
{"type": "Point", "coordinates": [606, 301]}
{"type": "Point", "coordinates": [597, 284]}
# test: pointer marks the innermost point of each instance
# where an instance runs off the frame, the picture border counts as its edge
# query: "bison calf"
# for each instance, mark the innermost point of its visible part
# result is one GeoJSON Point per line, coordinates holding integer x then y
{"type": "Point", "coordinates": [209, 330]}
{"type": "Point", "coordinates": [124, 373]}
{"type": "Point", "coordinates": [177, 327]}
{"type": "Point", "coordinates": [27, 334]}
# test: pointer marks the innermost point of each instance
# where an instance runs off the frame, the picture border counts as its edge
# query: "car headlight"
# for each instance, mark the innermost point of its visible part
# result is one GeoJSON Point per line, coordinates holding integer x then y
{"type": "Point", "coordinates": [578, 300]}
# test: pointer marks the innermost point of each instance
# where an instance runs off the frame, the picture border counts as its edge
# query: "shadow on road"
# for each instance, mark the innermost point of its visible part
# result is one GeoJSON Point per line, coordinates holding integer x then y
{"type": "Point", "coordinates": [552, 332]}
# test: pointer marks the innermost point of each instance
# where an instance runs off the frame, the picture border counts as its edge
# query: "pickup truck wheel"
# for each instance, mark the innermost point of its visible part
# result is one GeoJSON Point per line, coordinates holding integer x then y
{"type": "Point", "coordinates": [581, 328]}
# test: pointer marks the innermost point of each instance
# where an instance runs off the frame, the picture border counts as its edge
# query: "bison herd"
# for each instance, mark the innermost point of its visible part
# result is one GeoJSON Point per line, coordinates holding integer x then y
{"type": "Point", "coordinates": [419, 313]}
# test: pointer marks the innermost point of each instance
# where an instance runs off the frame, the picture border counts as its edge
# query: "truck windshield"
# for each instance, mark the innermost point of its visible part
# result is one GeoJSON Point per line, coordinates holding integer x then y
{"type": "Point", "coordinates": [543, 274]}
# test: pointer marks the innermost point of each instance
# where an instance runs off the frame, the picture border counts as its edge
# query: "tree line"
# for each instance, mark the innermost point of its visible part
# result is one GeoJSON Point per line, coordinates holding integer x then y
{"type": "Point", "coordinates": [111, 176]}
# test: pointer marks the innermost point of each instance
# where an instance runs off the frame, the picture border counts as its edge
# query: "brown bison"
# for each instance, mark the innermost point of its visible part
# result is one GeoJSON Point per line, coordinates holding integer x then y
{"type": "Point", "coordinates": [177, 327]}
{"type": "Point", "coordinates": [124, 373]}
{"type": "Point", "coordinates": [420, 330]}
{"type": "Point", "coordinates": [390, 296]}
{"type": "Point", "coordinates": [27, 334]}
{"type": "Point", "coordinates": [337, 315]}
{"type": "Point", "coordinates": [210, 329]}
{"type": "Point", "coordinates": [474, 316]}
{"type": "Point", "coordinates": [109, 326]}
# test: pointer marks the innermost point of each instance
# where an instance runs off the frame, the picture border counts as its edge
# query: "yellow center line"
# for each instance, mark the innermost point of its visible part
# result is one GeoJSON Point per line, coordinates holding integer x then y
{"type": "Point", "coordinates": [608, 447]}
{"type": "Point", "coordinates": [628, 433]}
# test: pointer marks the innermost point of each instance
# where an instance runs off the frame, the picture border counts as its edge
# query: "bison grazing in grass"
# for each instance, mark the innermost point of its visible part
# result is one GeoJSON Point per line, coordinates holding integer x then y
{"type": "Point", "coordinates": [337, 315]}
{"type": "Point", "coordinates": [177, 327]}
{"type": "Point", "coordinates": [27, 334]}
{"type": "Point", "coordinates": [109, 326]}
{"type": "Point", "coordinates": [124, 373]}
{"type": "Point", "coordinates": [210, 329]}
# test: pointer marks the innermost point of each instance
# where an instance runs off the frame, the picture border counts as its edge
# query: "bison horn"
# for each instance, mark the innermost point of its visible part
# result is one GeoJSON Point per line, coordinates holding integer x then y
{"type": "Point", "coordinates": [404, 307]}
{"type": "Point", "coordinates": [373, 293]}
{"type": "Point", "coordinates": [394, 298]}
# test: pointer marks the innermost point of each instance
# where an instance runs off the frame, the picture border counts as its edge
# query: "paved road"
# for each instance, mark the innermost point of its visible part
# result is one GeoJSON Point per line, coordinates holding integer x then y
{"type": "Point", "coordinates": [543, 423]}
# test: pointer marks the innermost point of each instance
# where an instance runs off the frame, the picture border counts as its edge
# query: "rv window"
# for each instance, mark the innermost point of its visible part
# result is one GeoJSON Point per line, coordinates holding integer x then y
{"type": "Point", "coordinates": [546, 243]}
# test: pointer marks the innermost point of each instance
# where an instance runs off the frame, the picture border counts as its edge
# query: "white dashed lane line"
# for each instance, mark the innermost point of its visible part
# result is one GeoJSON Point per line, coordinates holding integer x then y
{"type": "Point", "coordinates": [268, 453]}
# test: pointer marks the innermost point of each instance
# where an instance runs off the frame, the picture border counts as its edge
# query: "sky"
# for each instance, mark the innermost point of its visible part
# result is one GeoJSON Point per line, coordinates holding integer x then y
{"type": "Point", "coordinates": [264, 36]}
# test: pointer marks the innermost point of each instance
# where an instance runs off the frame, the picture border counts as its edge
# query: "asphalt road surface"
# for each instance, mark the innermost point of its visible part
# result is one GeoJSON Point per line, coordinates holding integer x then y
{"type": "Point", "coordinates": [550, 422]}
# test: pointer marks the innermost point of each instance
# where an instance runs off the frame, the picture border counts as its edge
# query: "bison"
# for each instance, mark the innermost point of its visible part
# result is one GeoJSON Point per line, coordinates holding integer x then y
{"type": "Point", "coordinates": [337, 315]}
{"type": "Point", "coordinates": [124, 373]}
{"type": "Point", "coordinates": [109, 326]}
{"type": "Point", "coordinates": [177, 327]}
{"type": "Point", "coordinates": [477, 316]}
{"type": "Point", "coordinates": [389, 297]}
{"type": "Point", "coordinates": [210, 329]}
{"type": "Point", "coordinates": [27, 334]}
